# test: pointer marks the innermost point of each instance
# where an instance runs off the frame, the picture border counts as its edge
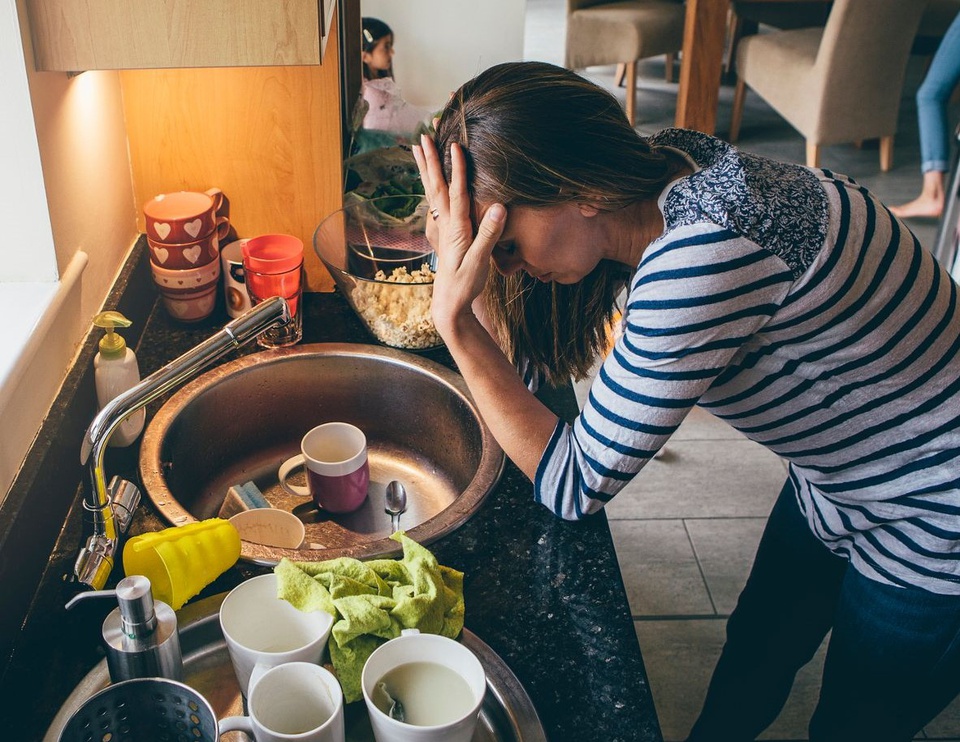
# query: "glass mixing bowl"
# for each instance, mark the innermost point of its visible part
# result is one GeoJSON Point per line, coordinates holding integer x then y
{"type": "Point", "coordinates": [379, 257]}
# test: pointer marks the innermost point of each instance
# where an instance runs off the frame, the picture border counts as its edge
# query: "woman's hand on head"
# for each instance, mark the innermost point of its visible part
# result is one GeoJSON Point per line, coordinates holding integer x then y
{"type": "Point", "coordinates": [463, 258]}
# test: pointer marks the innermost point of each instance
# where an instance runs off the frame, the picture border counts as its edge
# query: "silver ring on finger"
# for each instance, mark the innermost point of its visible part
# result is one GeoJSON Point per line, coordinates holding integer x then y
{"type": "Point", "coordinates": [435, 213]}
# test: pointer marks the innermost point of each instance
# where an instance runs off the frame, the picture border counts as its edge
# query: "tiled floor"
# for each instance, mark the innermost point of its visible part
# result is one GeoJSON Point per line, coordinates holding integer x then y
{"type": "Point", "coordinates": [686, 529]}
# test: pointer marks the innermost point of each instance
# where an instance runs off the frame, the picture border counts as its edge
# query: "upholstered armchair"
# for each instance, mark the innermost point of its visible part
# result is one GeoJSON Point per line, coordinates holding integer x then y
{"type": "Point", "coordinates": [602, 32]}
{"type": "Point", "coordinates": [836, 84]}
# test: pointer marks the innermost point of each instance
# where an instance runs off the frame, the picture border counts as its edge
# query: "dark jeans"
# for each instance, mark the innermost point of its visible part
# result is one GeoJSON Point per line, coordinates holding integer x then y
{"type": "Point", "coordinates": [893, 662]}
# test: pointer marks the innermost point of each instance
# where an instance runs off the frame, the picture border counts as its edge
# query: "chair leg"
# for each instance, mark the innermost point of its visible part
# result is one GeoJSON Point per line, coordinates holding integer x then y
{"type": "Point", "coordinates": [886, 154]}
{"type": "Point", "coordinates": [668, 62]}
{"type": "Point", "coordinates": [632, 92]}
{"type": "Point", "coordinates": [813, 154]}
{"type": "Point", "coordinates": [621, 72]}
{"type": "Point", "coordinates": [738, 96]}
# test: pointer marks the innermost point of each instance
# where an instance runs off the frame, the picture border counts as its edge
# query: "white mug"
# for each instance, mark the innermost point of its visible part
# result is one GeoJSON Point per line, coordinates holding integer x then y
{"type": "Point", "coordinates": [234, 284]}
{"type": "Point", "coordinates": [441, 706]}
{"type": "Point", "coordinates": [263, 631]}
{"type": "Point", "coordinates": [296, 701]}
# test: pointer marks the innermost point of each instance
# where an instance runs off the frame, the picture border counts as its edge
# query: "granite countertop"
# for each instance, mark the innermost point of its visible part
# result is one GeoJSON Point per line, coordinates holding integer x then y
{"type": "Point", "coordinates": [546, 595]}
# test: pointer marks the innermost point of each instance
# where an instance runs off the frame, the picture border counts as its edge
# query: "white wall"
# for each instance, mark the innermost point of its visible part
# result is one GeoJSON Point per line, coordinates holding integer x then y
{"type": "Point", "coordinates": [66, 197]}
{"type": "Point", "coordinates": [440, 44]}
{"type": "Point", "coordinates": [26, 251]}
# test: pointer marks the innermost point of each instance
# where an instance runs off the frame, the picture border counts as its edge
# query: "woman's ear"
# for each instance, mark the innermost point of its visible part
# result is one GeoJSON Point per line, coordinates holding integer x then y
{"type": "Point", "coordinates": [587, 209]}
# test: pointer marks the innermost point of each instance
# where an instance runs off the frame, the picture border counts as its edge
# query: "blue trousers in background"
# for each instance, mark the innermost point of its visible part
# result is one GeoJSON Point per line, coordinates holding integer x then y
{"type": "Point", "coordinates": [933, 96]}
{"type": "Point", "coordinates": [893, 661]}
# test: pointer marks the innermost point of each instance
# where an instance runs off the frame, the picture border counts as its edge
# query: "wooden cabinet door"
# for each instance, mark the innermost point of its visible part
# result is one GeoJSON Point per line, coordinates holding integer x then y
{"type": "Point", "coordinates": [77, 35]}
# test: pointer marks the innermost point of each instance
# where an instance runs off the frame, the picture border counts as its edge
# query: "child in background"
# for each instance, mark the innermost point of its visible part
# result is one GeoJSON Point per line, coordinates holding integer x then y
{"type": "Point", "coordinates": [377, 49]}
{"type": "Point", "coordinates": [388, 111]}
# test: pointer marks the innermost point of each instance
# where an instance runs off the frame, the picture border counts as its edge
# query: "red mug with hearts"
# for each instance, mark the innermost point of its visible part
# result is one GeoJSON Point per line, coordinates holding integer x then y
{"type": "Point", "coordinates": [184, 216]}
{"type": "Point", "coordinates": [188, 295]}
{"type": "Point", "coordinates": [173, 256]}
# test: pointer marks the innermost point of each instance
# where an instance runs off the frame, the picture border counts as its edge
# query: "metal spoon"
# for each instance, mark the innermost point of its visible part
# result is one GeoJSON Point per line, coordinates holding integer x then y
{"type": "Point", "coordinates": [396, 503]}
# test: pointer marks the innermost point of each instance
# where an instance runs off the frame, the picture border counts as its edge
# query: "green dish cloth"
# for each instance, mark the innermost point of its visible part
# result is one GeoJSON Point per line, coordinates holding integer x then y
{"type": "Point", "coordinates": [374, 601]}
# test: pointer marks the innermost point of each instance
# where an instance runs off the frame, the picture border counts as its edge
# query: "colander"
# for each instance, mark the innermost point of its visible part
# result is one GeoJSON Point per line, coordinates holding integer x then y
{"type": "Point", "coordinates": [141, 709]}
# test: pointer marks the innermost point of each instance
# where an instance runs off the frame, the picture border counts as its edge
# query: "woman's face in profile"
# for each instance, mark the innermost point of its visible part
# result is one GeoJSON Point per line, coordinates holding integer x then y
{"type": "Point", "coordinates": [550, 243]}
{"type": "Point", "coordinates": [380, 57]}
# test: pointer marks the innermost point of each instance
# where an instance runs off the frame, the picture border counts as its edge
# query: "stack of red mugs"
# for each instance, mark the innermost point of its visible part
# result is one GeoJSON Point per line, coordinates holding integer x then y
{"type": "Point", "coordinates": [184, 233]}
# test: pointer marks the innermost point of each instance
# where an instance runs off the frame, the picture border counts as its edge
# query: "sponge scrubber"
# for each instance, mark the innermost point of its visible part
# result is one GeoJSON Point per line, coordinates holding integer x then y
{"type": "Point", "coordinates": [241, 497]}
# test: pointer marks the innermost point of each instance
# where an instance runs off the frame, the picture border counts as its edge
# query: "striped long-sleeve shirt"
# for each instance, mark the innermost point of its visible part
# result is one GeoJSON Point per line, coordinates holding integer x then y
{"type": "Point", "coordinates": [790, 303]}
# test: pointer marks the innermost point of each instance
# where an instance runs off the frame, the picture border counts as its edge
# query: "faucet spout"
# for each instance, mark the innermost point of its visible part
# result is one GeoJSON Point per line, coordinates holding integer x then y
{"type": "Point", "coordinates": [111, 507]}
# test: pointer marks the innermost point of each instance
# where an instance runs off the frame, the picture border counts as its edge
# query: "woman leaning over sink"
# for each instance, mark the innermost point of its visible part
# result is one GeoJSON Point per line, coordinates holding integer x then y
{"type": "Point", "coordinates": [788, 302]}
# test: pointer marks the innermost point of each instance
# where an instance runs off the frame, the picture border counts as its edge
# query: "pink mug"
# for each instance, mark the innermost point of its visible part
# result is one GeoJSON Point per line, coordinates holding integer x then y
{"type": "Point", "coordinates": [338, 473]}
{"type": "Point", "coordinates": [184, 216]}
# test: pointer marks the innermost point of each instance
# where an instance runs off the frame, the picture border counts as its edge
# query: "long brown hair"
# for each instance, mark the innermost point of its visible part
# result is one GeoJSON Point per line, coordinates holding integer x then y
{"type": "Point", "coordinates": [537, 135]}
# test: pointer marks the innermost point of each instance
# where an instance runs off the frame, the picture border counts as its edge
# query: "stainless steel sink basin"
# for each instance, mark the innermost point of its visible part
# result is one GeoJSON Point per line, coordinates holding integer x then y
{"type": "Point", "coordinates": [238, 422]}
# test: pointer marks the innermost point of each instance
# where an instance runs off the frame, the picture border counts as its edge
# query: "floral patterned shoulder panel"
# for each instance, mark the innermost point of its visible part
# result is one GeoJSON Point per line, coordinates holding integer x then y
{"type": "Point", "coordinates": [780, 206]}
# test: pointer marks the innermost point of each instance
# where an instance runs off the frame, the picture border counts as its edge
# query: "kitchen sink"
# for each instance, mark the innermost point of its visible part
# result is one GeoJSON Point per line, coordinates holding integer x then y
{"type": "Point", "coordinates": [238, 422]}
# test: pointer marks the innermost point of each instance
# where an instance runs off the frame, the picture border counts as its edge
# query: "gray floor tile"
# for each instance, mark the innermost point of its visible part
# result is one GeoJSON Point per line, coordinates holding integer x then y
{"type": "Point", "coordinates": [947, 724]}
{"type": "Point", "coordinates": [679, 657]}
{"type": "Point", "coordinates": [660, 571]}
{"type": "Point", "coordinates": [725, 548]}
{"type": "Point", "coordinates": [703, 479]}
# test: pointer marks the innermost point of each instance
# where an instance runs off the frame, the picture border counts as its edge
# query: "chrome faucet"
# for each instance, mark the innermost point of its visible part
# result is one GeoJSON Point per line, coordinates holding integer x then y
{"type": "Point", "coordinates": [112, 507]}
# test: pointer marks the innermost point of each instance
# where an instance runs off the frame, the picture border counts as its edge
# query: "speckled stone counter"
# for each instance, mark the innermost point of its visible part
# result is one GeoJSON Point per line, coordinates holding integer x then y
{"type": "Point", "coordinates": [546, 595]}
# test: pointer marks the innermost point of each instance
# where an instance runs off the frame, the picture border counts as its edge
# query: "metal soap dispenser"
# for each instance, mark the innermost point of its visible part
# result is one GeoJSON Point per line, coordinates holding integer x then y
{"type": "Point", "coordinates": [140, 636]}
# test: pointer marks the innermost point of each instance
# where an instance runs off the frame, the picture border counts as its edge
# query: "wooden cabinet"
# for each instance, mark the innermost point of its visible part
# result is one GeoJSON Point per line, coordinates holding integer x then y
{"type": "Point", "coordinates": [77, 35]}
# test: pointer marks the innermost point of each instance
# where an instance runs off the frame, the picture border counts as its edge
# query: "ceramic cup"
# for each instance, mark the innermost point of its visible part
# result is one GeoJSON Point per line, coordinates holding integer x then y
{"type": "Point", "coordinates": [183, 216]}
{"type": "Point", "coordinates": [440, 705]}
{"type": "Point", "coordinates": [263, 631]}
{"type": "Point", "coordinates": [184, 255]}
{"type": "Point", "coordinates": [234, 283]}
{"type": "Point", "coordinates": [188, 295]}
{"type": "Point", "coordinates": [338, 473]}
{"type": "Point", "coordinates": [296, 701]}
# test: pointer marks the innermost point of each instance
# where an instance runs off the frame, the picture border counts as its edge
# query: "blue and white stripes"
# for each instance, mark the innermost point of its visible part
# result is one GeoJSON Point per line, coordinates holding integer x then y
{"type": "Point", "coordinates": [844, 360]}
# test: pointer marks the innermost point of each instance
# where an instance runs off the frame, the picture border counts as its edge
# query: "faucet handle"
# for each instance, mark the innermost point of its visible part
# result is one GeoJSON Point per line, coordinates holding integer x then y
{"type": "Point", "coordinates": [95, 561]}
{"type": "Point", "coordinates": [124, 499]}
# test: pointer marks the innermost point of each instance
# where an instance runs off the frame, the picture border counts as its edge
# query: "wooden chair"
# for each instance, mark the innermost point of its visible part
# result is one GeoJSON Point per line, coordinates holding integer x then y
{"type": "Point", "coordinates": [841, 83]}
{"type": "Point", "coordinates": [603, 32]}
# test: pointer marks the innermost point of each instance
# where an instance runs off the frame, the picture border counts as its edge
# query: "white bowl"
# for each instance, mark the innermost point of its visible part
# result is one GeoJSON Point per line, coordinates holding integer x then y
{"type": "Point", "coordinates": [270, 527]}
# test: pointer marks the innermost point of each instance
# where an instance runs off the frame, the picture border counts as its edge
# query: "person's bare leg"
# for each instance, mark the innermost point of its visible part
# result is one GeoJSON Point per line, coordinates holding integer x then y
{"type": "Point", "coordinates": [929, 202]}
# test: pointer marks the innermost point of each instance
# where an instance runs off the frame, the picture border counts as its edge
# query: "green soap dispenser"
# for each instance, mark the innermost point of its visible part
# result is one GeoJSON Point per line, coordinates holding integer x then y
{"type": "Point", "coordinates": [116, 371]}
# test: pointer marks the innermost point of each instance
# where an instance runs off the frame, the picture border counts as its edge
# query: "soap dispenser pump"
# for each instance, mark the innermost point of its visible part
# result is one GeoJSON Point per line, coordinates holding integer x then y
{"type": "Point", "coordinates": [140, 636]}
{"type": "Point", "coordinates": [116, 371]}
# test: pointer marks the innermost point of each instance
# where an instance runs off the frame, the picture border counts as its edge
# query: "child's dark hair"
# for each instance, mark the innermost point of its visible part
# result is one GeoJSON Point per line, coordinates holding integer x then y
{"type": "Point", "coordinates": [373, 30]}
